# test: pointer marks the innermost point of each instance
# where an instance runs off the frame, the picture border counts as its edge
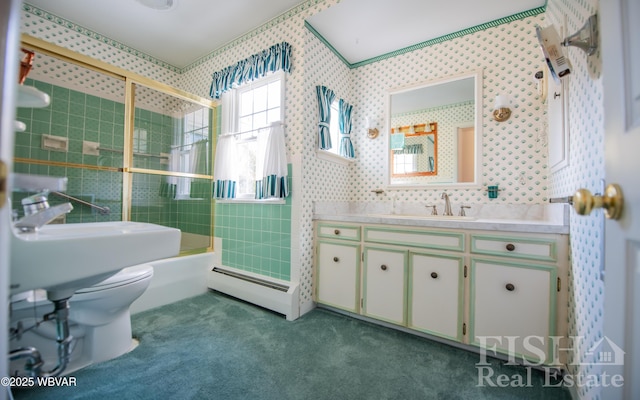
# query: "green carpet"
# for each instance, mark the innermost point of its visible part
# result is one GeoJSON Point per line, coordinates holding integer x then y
{"type": "Point", "coordinates": [215, 347]}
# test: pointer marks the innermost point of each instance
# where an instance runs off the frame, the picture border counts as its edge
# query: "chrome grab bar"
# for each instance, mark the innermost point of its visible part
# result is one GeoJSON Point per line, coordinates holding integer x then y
{"type": "Point", "coordinates": [568, 199]}
{"type": "Point", "coordinates": [102, 210]}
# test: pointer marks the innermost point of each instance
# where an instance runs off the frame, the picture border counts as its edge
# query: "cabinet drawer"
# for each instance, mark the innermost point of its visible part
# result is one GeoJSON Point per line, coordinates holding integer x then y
{"type": "Point", "coordinates": [531, 248]}
{"type": "Point", "coordinates": [410, 237]}
{"type": "Point", "coordinates": [337, 231]}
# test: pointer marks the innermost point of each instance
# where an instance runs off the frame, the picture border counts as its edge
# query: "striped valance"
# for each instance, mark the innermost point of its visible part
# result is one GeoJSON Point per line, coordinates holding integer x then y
{"type": "Point", "coordinates": [275, 58]}
{"type": "Point", "coordinates": [410, 149]}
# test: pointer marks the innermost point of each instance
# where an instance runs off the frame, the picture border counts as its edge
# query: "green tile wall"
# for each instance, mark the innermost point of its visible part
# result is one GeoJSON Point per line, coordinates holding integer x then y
{"type": "Point", "coordinates": [78, 117]}
{"type": "Point", "coordinates": [103, 188]}
{"type": "Point", "coordinates": [256, 237]}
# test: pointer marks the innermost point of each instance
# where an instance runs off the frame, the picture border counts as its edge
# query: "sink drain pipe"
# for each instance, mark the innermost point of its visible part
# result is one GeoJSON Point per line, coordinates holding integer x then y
{"type": "Point", "coordinates": [34, 362]}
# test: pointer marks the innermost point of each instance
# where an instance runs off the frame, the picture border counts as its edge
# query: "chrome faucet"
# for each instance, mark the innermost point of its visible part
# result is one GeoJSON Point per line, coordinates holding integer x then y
{"type": "Point", "coordinates": [447, 204]}
{"type": "Point", "coordinates": [37, 211]}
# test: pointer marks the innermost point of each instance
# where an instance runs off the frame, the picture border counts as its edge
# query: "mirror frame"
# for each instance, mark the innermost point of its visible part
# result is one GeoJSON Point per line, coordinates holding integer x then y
{"type": "Point", "coordinates": [477, 75]}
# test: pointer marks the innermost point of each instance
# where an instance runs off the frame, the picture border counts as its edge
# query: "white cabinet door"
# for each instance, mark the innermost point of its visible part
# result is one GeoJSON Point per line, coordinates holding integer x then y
{"type": "Point", "coordinates": [436, 294]}
{"type": "Point", "coordinates": [338, 275]}
{"type": "Point", "coordinates": [384, 284]}
{"type": "Point", "coordinates": [513, 308]}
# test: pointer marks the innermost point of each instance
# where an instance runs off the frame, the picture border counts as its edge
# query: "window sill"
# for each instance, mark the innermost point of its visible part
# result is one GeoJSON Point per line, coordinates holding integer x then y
{"type": "Point", "coordinates": [329, 156]}
{"type": "Point", "coordinates": [251, 201]}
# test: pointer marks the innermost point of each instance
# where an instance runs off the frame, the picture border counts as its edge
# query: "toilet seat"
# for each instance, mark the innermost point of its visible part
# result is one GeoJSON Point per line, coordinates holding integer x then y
{"type": "Point", "coordinates": [124, 277]}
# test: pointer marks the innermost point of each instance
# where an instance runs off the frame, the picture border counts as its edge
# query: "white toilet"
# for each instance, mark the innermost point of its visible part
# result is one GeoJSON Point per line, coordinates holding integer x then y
{"type": "Point", "coordinates": [99, 320]}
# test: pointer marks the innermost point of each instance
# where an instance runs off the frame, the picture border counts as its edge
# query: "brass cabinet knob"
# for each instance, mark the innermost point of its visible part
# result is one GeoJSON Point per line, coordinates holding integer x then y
{"type": "Point", "coordinates": [434, 275]}
{"type": "Point", "coordinates": [510, 287]}
{"type": "Point", "coordinates": [383, 267]}
{"type": "Point", "coordinates": [337, 231]}
{"type": "Point", "coordinates": [336, 259]}
{"type": "Point", "coordinates": [612, 201]}
{"type": "Point", "coordinates": [511, 247]}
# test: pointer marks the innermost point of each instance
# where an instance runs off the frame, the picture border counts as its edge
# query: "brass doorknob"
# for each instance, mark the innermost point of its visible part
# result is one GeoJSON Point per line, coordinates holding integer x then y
{"type": "Point", "coordinates": [612, 201]}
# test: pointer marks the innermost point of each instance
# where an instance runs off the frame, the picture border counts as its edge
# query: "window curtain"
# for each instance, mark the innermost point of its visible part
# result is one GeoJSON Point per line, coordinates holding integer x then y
{"type": "Point", "coordinates": [275, 58]}
{"type": "Point", "coordinates": [169, 186]}
{"type": "Point", "coordinates": [410, 149]}
{"type": "Point", "coordinates": [272, 157]}
{"type": "Point", "coordinates": [225, 173]}
{"type": "Point", "coordinates": [325, 98]}
{"type": "Point", "coordinates": [199, 164]}
{"type": "Point", "coordinates": [346, 147]}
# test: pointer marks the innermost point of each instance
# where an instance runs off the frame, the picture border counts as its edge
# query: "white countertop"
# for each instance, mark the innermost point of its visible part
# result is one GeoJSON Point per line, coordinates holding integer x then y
{"type": "Point", "coordinates": [488, 224]}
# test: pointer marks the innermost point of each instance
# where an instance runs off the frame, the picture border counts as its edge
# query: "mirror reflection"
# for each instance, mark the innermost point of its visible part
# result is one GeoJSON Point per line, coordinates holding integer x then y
{"type": "Point", "coordinates": [414, 150]}
{"type": "Point", "coordinates": [434, 136]}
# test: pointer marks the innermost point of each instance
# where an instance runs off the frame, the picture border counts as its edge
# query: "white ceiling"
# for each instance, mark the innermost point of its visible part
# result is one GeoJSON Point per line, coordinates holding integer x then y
{"type": "Point", "coordinates": [363, 29]}
{"type": "Point", "coordinates": [357, 29]}
{"type": "Point", "coordinates": [191, 30]}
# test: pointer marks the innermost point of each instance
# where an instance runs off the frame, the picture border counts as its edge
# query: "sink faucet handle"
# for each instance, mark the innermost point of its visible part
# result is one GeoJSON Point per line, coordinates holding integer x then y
{"type": "Point", "coordinates": [434, 210]}
{"type": "Point", "coordinates": [35, 203]}
{"type": "Point", "coordinates": [462, 213]}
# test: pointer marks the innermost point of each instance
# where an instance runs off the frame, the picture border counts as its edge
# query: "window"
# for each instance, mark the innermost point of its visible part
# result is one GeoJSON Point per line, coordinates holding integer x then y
{"type": "Point", "coordinates": [255, 106]}
{"type": "Point", "coordinates": [334, 128]}
{"type": "Point", "coordinates": [405, 163]}
{"type": "Point", "coordinates": [194, 129]}
{"type": "Point", "coordinates": [140, 140]}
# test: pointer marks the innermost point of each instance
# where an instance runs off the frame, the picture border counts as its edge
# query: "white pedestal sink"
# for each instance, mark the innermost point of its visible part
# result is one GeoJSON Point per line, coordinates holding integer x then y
{"type": "Point", "coordinates": [64, 258]}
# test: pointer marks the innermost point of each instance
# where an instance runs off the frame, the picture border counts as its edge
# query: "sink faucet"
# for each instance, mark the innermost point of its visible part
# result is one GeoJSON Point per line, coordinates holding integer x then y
{"type": "Point", "coordinates": [447, 204]}
{"type": "Point", "coordinates": [37, 211]}
{"type": "Point", "coordinates": [39, 214]}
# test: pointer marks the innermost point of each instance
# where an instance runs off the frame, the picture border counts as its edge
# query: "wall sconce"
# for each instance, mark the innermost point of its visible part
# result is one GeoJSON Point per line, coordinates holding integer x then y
{"type": "Point", "coordinates": [372, 131]}
{"type": "Point", "coordinates": [501, 108]}
{"type": "Point", "coordinates": [427, 127]}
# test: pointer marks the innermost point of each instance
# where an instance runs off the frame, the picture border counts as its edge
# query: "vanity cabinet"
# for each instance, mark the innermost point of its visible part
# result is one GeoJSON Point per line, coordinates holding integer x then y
{"type": "Point", "coordinates": [513, 307]}
{"type": "Point", "coordinates": [514, 294]}
{"type": "Point", "coordinates": [338, 280]}
{"type": "Point", "coordinates": [385, 280]}
{"type": "Point", "coordinates": [436, 294]}
{"type": "Point", "coordinates": [500, 290]}
{"type": "Point", "coordinates": [338, 266]}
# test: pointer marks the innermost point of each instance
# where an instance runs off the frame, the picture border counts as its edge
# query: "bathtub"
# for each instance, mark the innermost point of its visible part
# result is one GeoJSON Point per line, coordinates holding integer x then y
{"type": "Point", "coordinates": [175, 279]}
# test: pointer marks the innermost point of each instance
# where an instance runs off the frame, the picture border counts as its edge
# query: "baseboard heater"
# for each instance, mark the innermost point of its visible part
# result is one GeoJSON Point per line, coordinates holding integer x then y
{"type": "Point", "coordinates": [275, 295]}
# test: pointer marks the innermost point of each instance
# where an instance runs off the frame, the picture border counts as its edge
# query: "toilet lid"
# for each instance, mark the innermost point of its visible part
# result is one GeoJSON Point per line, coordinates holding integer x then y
{"type": "Point", "coordinates": [124, 277]}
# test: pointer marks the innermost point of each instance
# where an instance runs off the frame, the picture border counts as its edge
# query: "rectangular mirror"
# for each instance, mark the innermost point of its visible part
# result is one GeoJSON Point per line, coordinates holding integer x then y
{"type": "Point", "coordinates": [435, 133]}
